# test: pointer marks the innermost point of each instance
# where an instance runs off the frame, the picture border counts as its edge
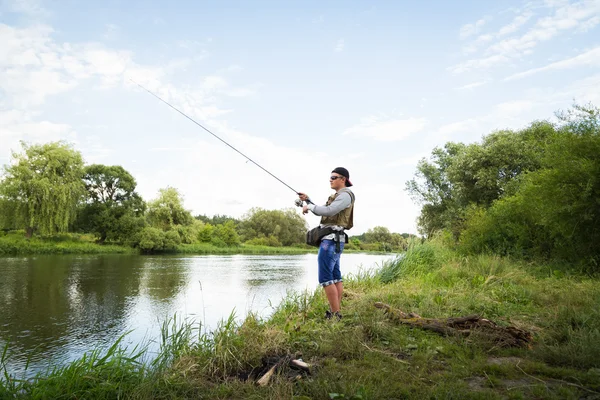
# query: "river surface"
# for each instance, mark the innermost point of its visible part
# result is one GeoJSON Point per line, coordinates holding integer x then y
{"type": "Point", "coordinates": [55, 308]}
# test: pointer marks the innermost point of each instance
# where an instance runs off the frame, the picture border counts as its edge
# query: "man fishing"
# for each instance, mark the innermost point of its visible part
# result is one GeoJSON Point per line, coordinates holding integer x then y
{"type": "Point", "coordinates": [336, 215]}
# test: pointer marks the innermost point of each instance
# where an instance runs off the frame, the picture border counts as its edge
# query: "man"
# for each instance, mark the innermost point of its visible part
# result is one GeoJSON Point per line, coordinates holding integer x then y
{"type": "Point", "coordinates": [336, 214]}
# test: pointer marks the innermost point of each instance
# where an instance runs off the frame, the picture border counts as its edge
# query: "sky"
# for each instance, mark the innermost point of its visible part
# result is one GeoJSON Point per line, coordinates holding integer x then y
{"type": "Point", "coordinates": [300, 87]}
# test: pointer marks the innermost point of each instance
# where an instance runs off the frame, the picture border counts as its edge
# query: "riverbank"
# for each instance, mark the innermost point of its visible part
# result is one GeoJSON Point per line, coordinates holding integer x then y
{"type": "Point", "coordinates": [15, 244]}
{"type": "Point", "coordinates": [367, 355]}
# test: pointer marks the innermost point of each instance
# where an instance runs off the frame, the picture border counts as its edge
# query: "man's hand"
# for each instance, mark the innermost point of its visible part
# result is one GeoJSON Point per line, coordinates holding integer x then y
{"type": "Point", "coordinates": [305, 210]}
{"type": "Point", "coordinates": [303, 196]}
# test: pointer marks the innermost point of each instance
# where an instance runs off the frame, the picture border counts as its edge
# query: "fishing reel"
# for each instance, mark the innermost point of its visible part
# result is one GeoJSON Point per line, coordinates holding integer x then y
{"type": "Point", "coordinates": [299, 203]}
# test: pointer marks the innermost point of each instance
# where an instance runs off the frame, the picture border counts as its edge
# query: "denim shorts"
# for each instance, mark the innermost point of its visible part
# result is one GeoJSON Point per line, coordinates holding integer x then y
{"type": "Point", "coordinates": [329, 263]}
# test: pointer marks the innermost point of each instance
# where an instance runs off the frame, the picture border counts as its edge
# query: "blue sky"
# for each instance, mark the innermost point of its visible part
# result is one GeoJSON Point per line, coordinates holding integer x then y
{"type": "Point", "coordinates": [300, 87]}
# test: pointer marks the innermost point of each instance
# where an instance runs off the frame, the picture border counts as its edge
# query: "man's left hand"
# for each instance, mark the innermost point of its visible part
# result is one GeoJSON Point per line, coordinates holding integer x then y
{"type": "Point", "coordinates": [305, 209]}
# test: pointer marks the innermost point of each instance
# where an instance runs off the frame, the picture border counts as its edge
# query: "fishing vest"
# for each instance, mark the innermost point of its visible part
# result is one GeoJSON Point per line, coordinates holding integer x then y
{"type": "Point", "coordinates": [344, 218]}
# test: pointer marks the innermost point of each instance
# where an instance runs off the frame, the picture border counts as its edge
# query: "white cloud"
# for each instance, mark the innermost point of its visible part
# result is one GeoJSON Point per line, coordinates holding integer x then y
{"type": "Point", "coordinates": [408, 161]}
{"type": "Point", "coordinates": [16, 125]}
{"type": "Point", "coordinates": [516, 24]}
{"type": "Point", "coordinates": [578, 17]}
{"type": "Point", "coordinates": [339, 47]}
{"type": "Point", "coordinates": [471, 29]}
{"type": "Point", "coordinates": [385, 129]}
{"type": "Point", "coordinates": [213, 82]}
{"type": "Point", "coordinates": [479, 63]}
{"type": "Point", "coordinates": [28, 7]}
{"type": "Point", "coordinates": [459, 126]}
{"type": "Point", "coordinates": [473, 85]}
{"type": "Point", "coordinates": [588, 25]}
{"type": "Point", "coordinates": [513, 108]}
{"type": "Point", "coordinates": [588, 58]}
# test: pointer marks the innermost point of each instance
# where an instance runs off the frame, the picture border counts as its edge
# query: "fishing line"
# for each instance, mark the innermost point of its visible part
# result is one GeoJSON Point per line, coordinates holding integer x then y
{"type": "Point", "coordinates": [207, 130]}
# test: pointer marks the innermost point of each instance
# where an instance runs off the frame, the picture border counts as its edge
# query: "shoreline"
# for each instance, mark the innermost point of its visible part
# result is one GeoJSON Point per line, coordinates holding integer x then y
{"type": "Point", "coordinates": [367, 355]}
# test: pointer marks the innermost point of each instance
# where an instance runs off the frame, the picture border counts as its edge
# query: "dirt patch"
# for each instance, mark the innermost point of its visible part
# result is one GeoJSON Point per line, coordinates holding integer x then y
{"type": "Point", "coordinates": [518, 383]}
{"type": "Point", "coordinates": [476, 383]}
{"type": "Point", "coordinates": [503, 360]}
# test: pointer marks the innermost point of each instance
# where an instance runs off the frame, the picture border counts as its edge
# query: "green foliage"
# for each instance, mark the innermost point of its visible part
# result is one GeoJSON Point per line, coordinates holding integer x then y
{"type": "Point", "coordinates": [226, 234]}
{"type": "Point", "coordinates": [419, 259]}
{"type": "Point", "coordinates": [152, 239]}
{"type": "Point", "coordinates": [528, 193]}
{"type": "Point", "coordinates": [205, 233]}
{"type": "Point", "coordinates": [42, 187]}
{"type": "Point", "coordinates": [167, 210]}
{"type": "Point", "coordinates": [386, 240]}
{"type": "Point", "coordinates": [190, 233]}
{"type": "Point", "coordinates": [554, 211]}
{"type": "Point", "coordinates": [286, 225]}
{"type": "Point", "coordinates": [459, 176]}
{"type": "Point", "coordinates": [271, 241]}
{"type": "Point", "coordinates": [15, 243]}
{"type": "Point", "coordinates": [113, 210]}
{"type": "Point", "coordinates": [217, 219]}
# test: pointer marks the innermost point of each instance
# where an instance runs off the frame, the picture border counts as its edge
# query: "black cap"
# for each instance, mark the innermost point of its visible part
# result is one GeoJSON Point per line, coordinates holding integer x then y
{"type": "Point", "coordinates": [343, 172]}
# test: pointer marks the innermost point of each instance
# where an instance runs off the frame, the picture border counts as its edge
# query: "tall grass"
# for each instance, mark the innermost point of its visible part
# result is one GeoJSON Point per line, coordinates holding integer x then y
{"type": "Point", "coordinates": [419, 259]}
{"type": "Point", "coordinates": [106, 374]}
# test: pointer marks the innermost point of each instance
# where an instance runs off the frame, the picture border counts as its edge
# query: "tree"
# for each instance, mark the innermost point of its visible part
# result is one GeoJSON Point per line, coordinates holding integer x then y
{"type": "Point", "coordinates": [459, 176]}
{"type": "Point", "coordinates": [167, 210]}
{"type": "Point", "coordinates": [216, 219]}
{"type": "Point", "coordinates": [378, 234]}
{"type": "Point", "coordinates": [225, 234]}
{"type": "Point", "coordinates": [552, 211]}
{"type": "Point", "coordinates": [44, 185]}
{"type": "Point", "coordinates": [285, 225]}
{"type": "Point", "coordinates": [113, 209]}
{"type": "Point", "coordinates": [433, 189]}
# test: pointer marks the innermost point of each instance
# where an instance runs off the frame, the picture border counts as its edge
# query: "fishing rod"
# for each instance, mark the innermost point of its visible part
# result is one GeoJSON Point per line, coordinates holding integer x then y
{"type": "Point", "coordinates": [207, 130]}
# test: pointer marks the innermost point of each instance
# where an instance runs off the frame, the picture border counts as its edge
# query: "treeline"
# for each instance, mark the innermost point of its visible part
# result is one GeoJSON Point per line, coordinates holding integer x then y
{"type": "Point", "coordinates": [528, 193]}
{"type": "Point", "coordinates": [47, 189]}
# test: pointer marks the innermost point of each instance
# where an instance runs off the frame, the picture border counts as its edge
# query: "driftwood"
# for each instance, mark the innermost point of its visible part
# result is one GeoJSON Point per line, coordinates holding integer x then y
{"type": "Point", "coordinates": [502, 336]}
{"type": "Point", "coordinates": [282, 362]}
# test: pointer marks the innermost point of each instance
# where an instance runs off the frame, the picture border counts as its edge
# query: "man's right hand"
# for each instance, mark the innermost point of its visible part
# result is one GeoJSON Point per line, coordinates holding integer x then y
{"type": "Point", "coordinates": [303, 196]}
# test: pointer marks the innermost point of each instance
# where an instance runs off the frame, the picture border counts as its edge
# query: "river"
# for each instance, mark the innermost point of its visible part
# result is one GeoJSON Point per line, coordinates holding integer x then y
{"type": "Point", "coordinates": [55, 308]}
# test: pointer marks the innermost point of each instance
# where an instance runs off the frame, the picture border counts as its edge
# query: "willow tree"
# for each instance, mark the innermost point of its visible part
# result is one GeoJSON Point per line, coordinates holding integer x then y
{"type": "Point", "coordinates": [44, 185]}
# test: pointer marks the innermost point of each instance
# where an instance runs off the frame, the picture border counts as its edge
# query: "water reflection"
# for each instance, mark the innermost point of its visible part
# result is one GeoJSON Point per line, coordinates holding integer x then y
{"type": "Point", "coordinates": [54, 308]}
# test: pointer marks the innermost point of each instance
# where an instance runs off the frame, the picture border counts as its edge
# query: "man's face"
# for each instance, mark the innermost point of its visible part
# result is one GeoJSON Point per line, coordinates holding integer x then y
{"type": "Point", "coordinates": [337, 181]}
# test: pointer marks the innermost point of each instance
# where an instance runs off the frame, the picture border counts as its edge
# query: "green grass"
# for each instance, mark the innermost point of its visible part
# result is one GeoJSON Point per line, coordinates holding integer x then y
{"type": "Point", "coordinates": [207, 248]}
{"type": "Point", "coordinates": [368, 356]}
{"type": "Point", "coordinates": [16, 244]}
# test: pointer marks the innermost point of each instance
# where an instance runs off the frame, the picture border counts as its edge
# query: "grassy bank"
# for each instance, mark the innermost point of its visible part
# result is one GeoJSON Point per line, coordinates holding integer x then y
{"type": "Point", "coordinates": [15, 243]}
{"type": "Point", "coordinates": [368, 356]}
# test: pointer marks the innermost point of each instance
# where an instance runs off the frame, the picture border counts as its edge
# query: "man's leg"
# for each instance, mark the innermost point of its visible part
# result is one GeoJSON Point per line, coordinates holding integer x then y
{"type": "Point", "coordinates": [327, 260]}
{"type": "Point", "coordinates": [332, 297]}
{"type": "Point", "coordinates": [337, 275]}
{"type": "Point", "coordinates": [340, 289]}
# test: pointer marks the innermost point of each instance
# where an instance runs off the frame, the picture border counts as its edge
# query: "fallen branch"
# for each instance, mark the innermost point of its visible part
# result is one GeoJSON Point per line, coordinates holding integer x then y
{"type": "Point", "coordinates": [503, 336]}
{"type": "Point", "coordinates": [288, 361]}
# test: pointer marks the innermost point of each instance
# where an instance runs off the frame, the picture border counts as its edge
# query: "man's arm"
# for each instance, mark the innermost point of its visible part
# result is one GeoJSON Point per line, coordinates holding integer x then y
{"type": "Point", "coordinates": [341, 202]}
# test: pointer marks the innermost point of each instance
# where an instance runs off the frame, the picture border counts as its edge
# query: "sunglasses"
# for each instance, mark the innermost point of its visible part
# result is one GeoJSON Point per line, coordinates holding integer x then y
{"type": "Point", "coordinates": [333, 178]}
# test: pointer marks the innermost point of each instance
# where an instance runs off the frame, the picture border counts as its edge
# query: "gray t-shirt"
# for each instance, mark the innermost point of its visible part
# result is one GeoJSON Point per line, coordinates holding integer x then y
{"type": "Point", "coordinates": [341, 202]}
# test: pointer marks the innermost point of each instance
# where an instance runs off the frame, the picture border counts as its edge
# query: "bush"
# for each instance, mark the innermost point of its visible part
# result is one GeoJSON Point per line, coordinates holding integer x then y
{"type": "Point", "coordinates": [271, 241]}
